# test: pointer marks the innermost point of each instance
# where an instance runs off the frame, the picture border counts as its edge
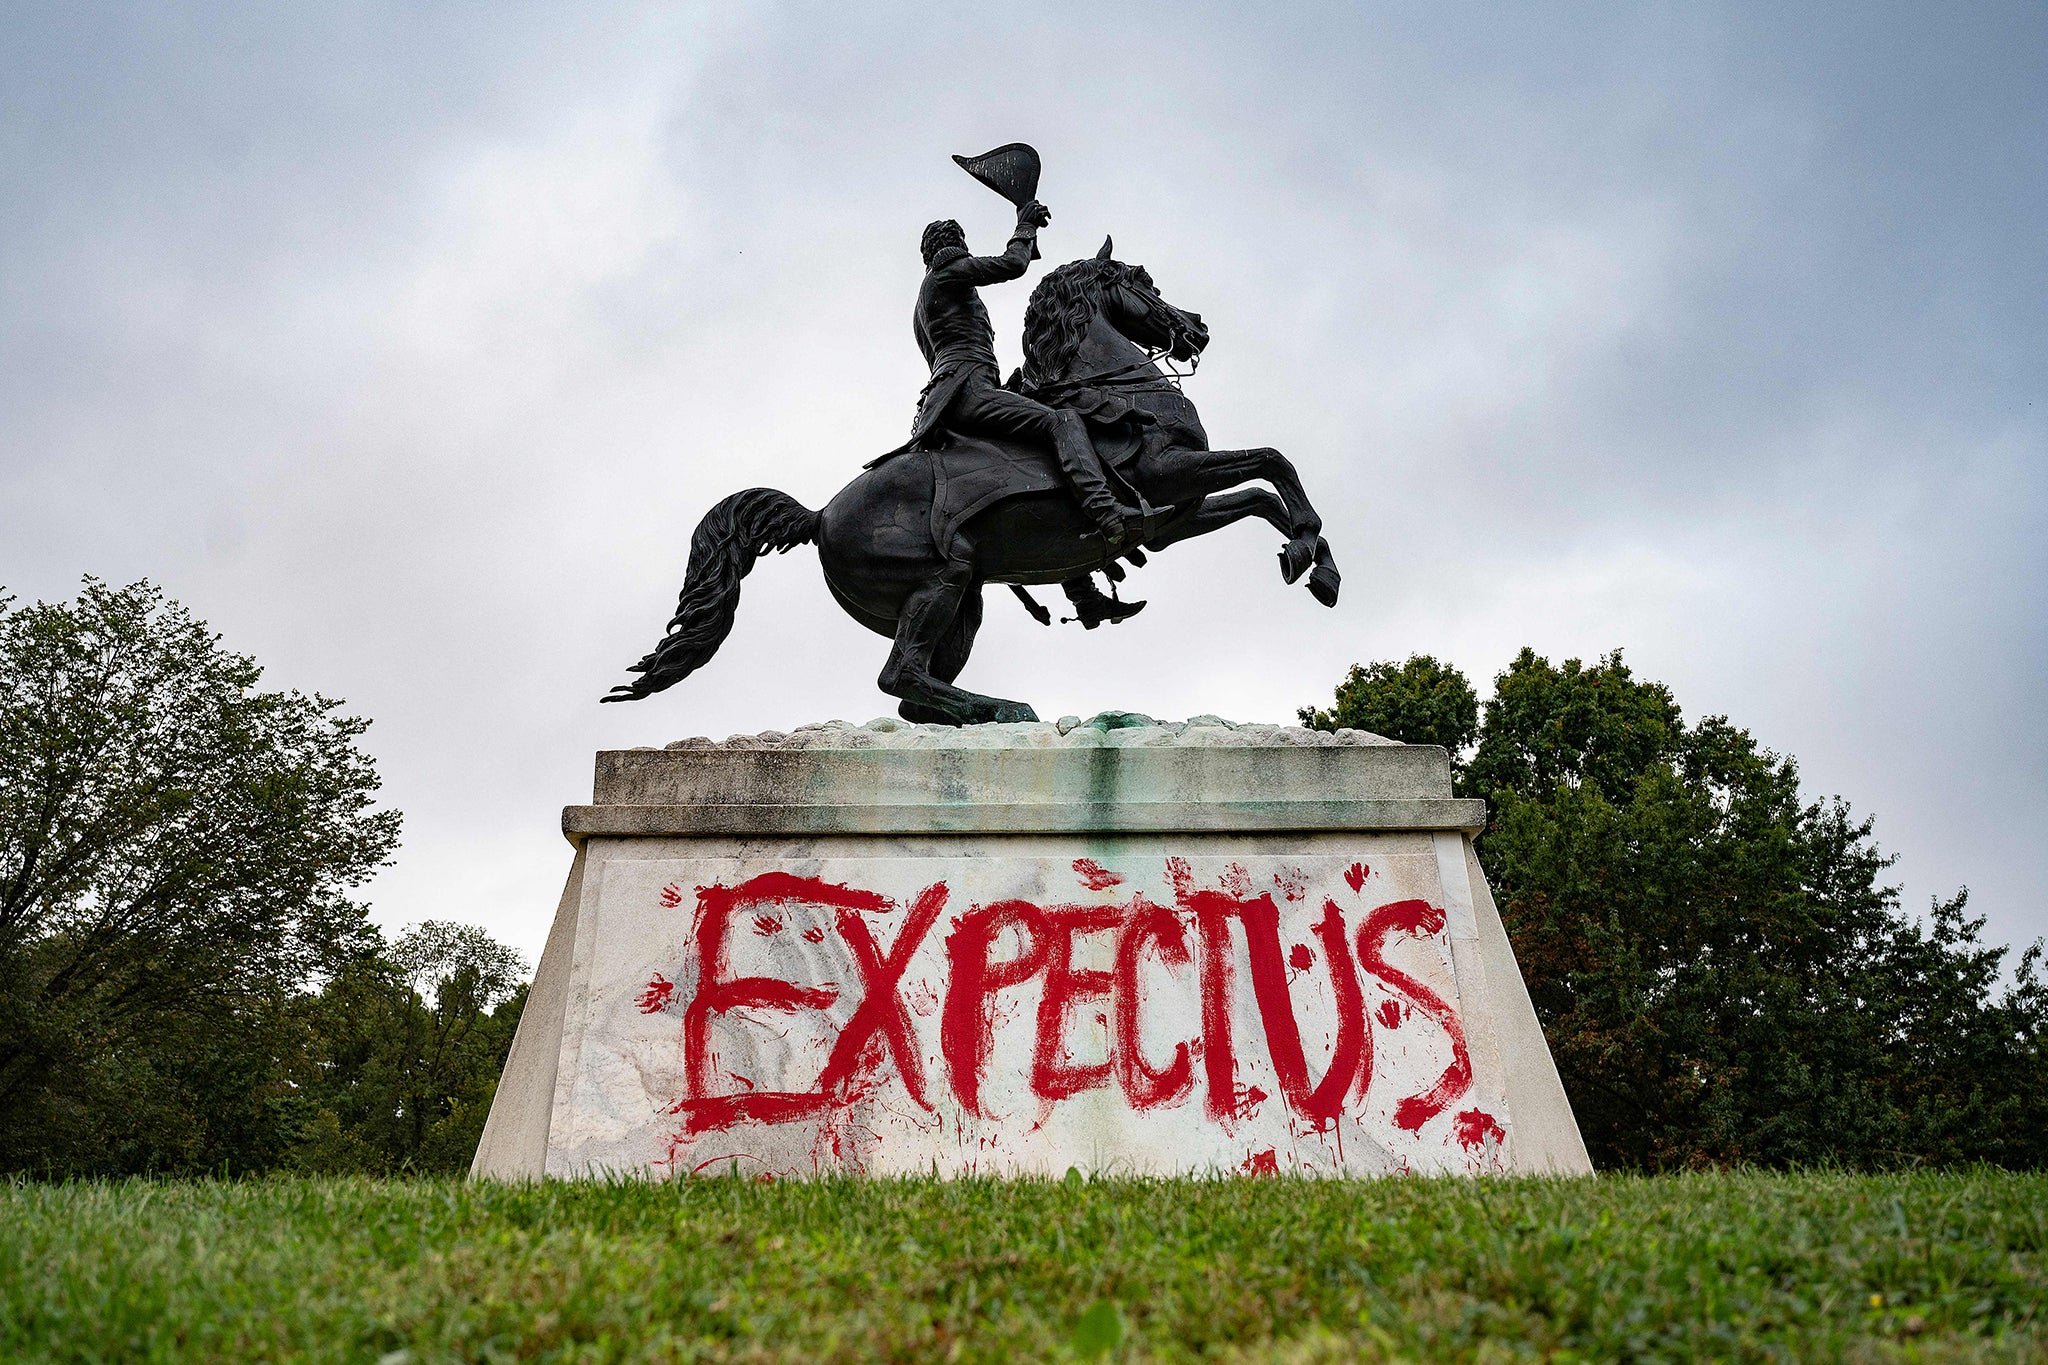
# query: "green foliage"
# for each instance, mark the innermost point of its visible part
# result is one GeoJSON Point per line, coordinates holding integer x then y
{"type": "Point", "coordinates": [1421, 702]}
{"type": "Point", "coordinates": [177, 849]}
{"type": "Point", "coordinates": [1721, 973]}
{"type": "Point", "coordinates": [1745, 1267]}
{"type": "Point", "coordinates": [395, 1083]}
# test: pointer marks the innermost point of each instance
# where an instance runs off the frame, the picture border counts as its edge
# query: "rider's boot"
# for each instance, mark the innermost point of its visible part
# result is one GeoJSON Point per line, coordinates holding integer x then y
{"type": "Point", "coordinates": [1083, 468]}
{"type": "Point", "coordinates": [1092, 608]}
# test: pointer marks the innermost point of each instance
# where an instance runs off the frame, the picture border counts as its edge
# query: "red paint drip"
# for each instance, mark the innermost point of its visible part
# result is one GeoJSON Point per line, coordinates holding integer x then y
{"type": "Point", "coordinates": [1094, 875]}
{"type": "Point", "coordinates": [1473, 1127]}
{"type": "Point", "coordinates": [656, 995]}
{"type": "Point", "coordinates": [1261, 1163]}
{"type": "Point", "coordinates": [1301, 957]}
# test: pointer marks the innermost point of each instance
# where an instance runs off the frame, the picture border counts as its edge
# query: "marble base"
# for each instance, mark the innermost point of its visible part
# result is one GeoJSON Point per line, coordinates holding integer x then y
{"type": "Point", "coordinates": [1117, 946]}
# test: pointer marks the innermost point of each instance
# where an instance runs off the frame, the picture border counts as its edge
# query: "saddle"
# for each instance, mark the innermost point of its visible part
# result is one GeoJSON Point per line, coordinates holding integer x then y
{"type": "Point", "coordinates": [973, 473]}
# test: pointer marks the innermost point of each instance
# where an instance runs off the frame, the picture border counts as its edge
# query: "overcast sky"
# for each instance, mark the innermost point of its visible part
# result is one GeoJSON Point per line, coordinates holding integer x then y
{"type": "Point", "coordinates": [406, 344]}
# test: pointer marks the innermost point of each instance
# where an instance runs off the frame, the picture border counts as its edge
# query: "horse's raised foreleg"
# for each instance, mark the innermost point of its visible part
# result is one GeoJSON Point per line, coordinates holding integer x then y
{"type": "Point", "coordinates": [1219, 510]}
{"type": "Point", "coordinates": [933, 636]}
{"type": "Point", "coordinates": [1175, 475]}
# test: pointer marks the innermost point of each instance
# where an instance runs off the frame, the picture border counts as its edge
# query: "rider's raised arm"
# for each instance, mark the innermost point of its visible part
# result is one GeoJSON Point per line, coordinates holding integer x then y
{"type": "Point", "coordinates": [979, 270]}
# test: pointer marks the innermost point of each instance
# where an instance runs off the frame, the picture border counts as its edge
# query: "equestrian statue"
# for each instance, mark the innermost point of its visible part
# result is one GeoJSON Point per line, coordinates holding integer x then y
{"type": "Point", "coordinates": [1090, 456]}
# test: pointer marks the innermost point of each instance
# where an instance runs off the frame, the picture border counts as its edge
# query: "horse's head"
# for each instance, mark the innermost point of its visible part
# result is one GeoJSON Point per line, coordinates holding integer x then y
{"type": "Point", "coordinates": [1068, 298]}
{"type": "Point", "coordinates": [1134, 306]}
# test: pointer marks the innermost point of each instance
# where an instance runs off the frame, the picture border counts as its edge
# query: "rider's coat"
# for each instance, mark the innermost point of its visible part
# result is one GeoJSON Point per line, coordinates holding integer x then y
{"type": "Point", "coordinates": [952, 325]}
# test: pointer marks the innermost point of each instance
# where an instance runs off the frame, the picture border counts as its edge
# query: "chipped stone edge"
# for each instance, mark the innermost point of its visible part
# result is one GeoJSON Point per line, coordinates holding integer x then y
{"type": "Point", "coordinates": [1109, 729]}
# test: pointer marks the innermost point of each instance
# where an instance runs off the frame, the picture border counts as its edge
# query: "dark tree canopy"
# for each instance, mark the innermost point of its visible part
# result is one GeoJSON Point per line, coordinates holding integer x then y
{"type": "Point", "coordinates": [1422, 701]}
{"type": "Point", "coordinates": [403, 1051]}
{"type": "Point", "coordinates": [1721, 971]}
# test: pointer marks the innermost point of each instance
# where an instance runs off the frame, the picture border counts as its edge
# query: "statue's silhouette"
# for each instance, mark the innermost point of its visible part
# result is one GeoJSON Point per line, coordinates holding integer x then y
{"type": "Point", "coordinates": [1090, 453]}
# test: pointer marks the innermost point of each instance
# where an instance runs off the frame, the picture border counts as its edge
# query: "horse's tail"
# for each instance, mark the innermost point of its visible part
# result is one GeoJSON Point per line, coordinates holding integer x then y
{"type": "Point", "coordinates": [730, 538]}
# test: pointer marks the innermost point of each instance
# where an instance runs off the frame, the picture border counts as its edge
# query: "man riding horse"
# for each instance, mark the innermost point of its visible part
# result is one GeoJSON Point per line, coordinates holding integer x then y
{"type": "Point", "coordinates": [1008, 485]}
{"type": "Point", "coordinates": [965, 394]}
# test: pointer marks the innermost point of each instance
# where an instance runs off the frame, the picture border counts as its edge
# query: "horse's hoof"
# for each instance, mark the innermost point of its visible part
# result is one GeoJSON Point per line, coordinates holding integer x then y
{"type": "Point", "coordinates": [1296, 557]}
{"type": "Point", "coordinates": [1323, 583]}
{"type": "Point", "coordinates": [1013, 713]}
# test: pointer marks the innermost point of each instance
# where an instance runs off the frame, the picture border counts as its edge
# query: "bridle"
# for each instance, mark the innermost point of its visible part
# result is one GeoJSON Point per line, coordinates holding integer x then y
{"type": "Point", "coordinates": [1158, 359]}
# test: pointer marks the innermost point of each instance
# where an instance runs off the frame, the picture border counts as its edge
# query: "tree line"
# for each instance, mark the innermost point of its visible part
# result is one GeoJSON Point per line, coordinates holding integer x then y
{"type": "Point", "coordinates": [186, 982]}
{"type": "Point", "coordinates": [1721, 971]}
{"type": "Point", "coordinates": [190, 983]}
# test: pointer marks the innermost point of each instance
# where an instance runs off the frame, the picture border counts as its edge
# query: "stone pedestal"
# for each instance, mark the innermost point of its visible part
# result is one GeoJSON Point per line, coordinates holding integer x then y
{"type": "Point", "coordinates": [1119, 946]}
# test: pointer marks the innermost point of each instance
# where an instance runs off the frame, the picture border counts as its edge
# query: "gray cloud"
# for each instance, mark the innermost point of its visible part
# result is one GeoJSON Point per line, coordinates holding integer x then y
{"type": "Point", "coordinates": [407, 345]}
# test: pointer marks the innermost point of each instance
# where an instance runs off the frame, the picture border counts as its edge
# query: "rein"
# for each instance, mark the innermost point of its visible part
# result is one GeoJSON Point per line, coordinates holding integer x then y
{"type": "Point", "coordinates": [1127, 376]}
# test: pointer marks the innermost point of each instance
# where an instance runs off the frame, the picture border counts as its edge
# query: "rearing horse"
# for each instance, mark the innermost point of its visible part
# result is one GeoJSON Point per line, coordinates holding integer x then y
{"type": "Point", "coordinates": [907, 546]}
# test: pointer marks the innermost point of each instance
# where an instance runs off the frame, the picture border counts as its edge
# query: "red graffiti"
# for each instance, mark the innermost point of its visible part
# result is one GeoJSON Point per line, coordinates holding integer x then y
{"type": "Point", "coordinates": [1291, 882]}
{"type": "Point", "coordinates": [656, 995]}
{"type": "Point", "coordinates": [1351, 1059]}
{"type": "Point", "coordinates": [1356, 875]}
{"type": "Point", "coordinates": [671, 896]}
{"type": "Point", "coordinates": [1475, 1127]}
{"type": "Point", "coordinates": [881, 1005]}
{"type": "Point", "coordinates": [1261, 1163]}
{"type": "Point", "coordinates": [717, 993]}
{"type": "Point", "coordinates": [967, 1020]}
{"type": "Point", "coordinates": [1212, 911]}
{"type": "Point", "coordinates": [997, 948]}
{"type": "Point", "coordinates": [1054, 1076]}
{"type": "Point", "coordinates": [1094, 875]}
{"type": "Point", "coordinates": [1245, 1101]}
{"type": "Point", "coordinates": [1143, 1086]}
{"type": "Point", "coordinates": [1417, 917]}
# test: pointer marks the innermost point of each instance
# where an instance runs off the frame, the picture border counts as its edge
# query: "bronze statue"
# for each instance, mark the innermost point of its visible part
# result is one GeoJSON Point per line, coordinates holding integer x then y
{"type": "Point", "coordinates": [1091, 453]}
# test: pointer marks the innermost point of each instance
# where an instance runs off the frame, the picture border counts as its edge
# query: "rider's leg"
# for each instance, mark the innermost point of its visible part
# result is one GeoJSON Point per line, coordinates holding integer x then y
{"type": "Point", "coordinates": [1092, 606]}
{"type": "Point", "coordinates": [983, 407]}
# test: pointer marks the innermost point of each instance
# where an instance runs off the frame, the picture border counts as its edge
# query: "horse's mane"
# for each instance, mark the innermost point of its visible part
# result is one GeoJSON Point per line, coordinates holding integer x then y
{"type": "Point", "coordinates": [1057, 317]}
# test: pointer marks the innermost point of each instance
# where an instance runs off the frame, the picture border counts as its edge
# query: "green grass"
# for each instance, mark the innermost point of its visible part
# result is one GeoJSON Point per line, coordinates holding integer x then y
{"type": "Point", "coordinates": [1734, 1267]}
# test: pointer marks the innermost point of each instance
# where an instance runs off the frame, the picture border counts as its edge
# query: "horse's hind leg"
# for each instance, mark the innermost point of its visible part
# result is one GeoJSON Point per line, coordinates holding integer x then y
{"type": "Point", "coordinates": [951, 655]}
{"type": "Point", "coordinates": [933, 637]}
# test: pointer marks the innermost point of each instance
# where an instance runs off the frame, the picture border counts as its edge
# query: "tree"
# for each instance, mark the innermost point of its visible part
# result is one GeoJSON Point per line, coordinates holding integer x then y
{"type": "Point", "coordinates": [1423, 701]}
{"type": "Point", "coordinates": [176, 853]}
{"type": "Point", "coordinates": [406, 1050]}
{"type": "Point", "coordinates": [1721, 973]}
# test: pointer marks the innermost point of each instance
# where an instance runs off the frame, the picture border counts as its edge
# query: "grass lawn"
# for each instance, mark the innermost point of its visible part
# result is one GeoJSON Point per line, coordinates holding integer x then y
{"type": "Point", "coordinates": [1726, 1267]}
